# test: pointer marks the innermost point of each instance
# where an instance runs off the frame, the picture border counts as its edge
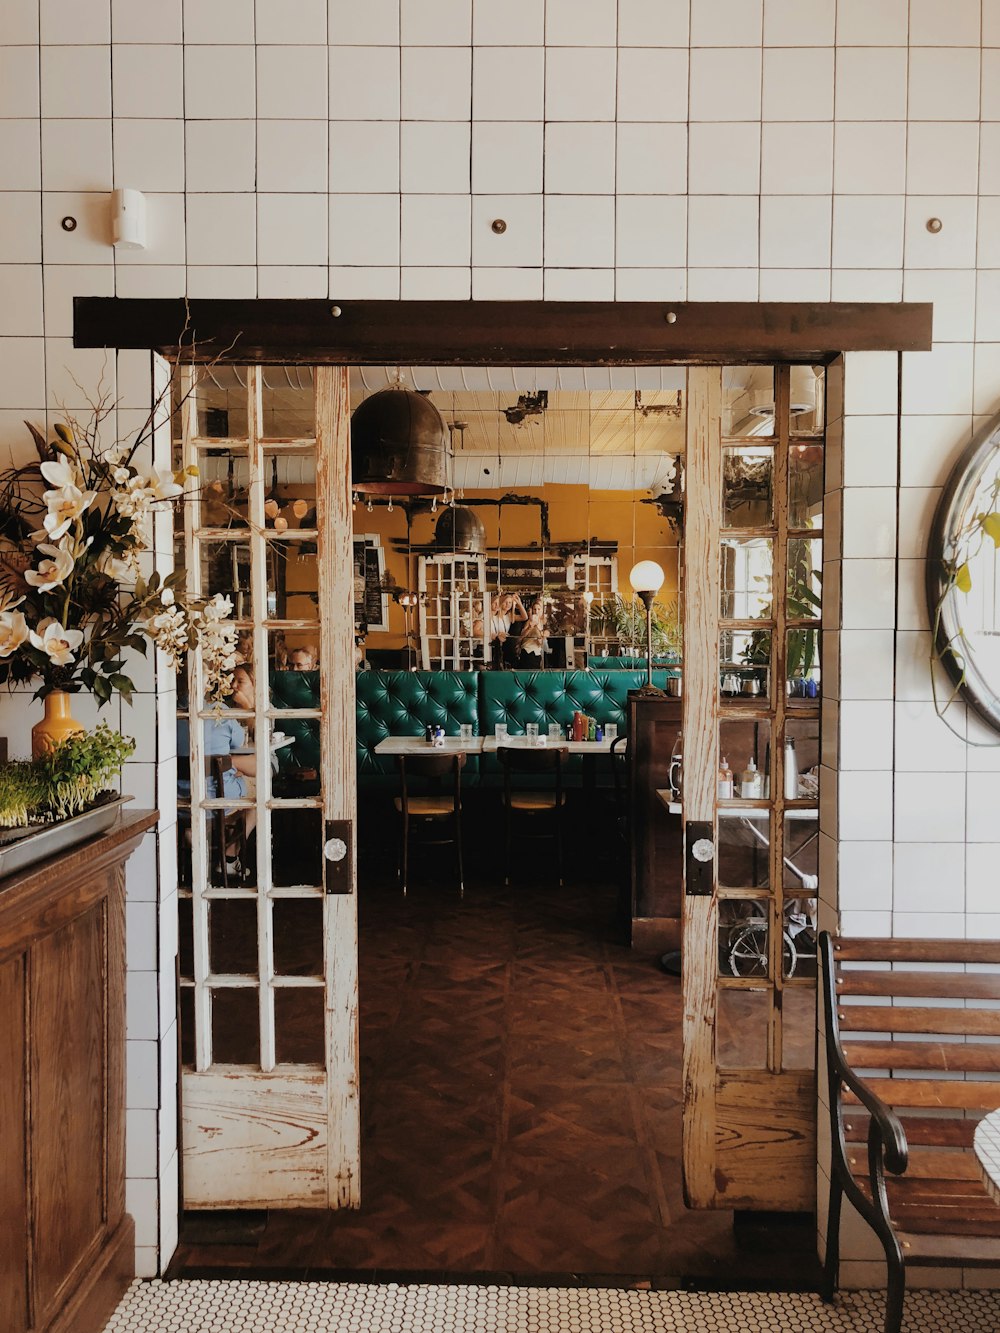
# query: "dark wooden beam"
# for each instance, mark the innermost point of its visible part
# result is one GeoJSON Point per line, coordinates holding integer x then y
{"type": "Point", "coordinates": [485, 333]}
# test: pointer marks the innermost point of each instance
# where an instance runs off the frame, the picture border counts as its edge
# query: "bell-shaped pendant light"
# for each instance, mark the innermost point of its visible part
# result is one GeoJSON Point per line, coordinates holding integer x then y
{"type": "Point", "coordinates": [460, 529]}
{"type": "Point", "coordinates": [399, 445]}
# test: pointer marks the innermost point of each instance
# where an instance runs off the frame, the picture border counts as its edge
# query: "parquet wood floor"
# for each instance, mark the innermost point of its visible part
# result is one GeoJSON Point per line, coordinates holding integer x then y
{"type": "Point", "coordinates": [520, 1075]}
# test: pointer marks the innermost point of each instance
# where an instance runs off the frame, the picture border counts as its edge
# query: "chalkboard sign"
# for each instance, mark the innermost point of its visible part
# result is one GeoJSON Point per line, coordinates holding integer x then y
{"type": "Point", "coordinates": [371, 604]}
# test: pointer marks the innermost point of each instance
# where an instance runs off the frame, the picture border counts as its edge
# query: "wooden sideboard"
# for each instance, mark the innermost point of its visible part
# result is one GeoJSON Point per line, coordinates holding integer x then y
{"type": "Point", "coordinates": [656, 838]}
{"type": "Point", "coordinates": [66, 1242]}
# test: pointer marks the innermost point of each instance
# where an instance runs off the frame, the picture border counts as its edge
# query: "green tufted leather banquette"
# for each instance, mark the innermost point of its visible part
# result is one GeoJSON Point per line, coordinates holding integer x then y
{"type": "Point", "coordinates": [402, 703]}
{"type": "Point", "coordinates": [297, 689]}
{"type": "Point", "coordinates": [632, 664]}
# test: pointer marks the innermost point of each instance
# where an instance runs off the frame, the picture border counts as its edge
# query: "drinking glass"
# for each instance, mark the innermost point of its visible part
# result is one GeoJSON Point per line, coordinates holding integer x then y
{"type": "Point", "coordinates": [501, 732]}
{"type": "Point", "coordinates": [555, 731]}
{"type": "Point", "coordinates": [531, 731]}
{"type": "Point", "coordinates": [610, 730]}
{"type": "Point", "coordinates": [465, 731]}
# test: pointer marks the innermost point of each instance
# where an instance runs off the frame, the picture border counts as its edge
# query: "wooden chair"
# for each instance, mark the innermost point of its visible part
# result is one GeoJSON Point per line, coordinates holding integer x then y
{"type": "Point", "coordinates": [905, 1013]}
{"type": "Point", "coordinates": [229, 829]}
{"type": "Point", "coordinates": [544, 761]}
{"type": "Point", "coordinates": [436, 806]}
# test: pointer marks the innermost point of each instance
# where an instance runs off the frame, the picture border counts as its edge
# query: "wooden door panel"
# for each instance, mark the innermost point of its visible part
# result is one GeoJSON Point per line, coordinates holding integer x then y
{"type": "Point", "coordinates": [765, 1150]}
{"type": "Point", "coordinates": [13, 1151]}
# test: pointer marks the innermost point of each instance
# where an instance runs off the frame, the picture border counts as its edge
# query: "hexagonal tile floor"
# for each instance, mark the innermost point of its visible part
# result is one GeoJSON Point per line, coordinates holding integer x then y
{"type": "Point", "coordinates": [349, 1307]}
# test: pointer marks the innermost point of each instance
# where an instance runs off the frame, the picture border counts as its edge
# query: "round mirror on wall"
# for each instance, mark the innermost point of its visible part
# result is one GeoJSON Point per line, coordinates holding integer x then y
{"type": "Point", "coordinates": [963, 578]}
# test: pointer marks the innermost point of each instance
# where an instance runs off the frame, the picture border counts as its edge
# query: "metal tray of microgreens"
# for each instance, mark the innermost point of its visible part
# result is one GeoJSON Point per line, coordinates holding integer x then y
{"type": "Point", "coordinates": [21, 848]}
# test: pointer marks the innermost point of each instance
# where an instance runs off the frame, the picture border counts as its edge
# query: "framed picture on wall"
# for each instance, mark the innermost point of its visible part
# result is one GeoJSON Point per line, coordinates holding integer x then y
{"type": "Point", "coordinates": [371, 604]}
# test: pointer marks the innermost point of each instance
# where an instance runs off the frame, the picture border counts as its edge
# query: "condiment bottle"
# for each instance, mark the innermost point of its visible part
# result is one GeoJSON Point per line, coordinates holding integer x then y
{"type": "Point", "coordinates": [725, 781]}
{"type": "Point", "coordinates": [791, 770]}
{"type": "Point", "coordinates": [751, 784]}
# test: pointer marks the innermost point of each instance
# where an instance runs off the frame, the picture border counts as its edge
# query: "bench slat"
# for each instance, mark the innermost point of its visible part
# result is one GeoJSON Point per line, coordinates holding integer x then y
{"type": "Point", "coordinates": [941, 1164]}
{"type": "Point", "coordinates": [916, 951]}
{"type": "Point", "coordinates": [921, 1131]}
{"type": "Point", "coordinates": [945, 985]}
{"type": "Point", "coordinates": [958, 1094]}
{"type": "Point", "coordinates": [964, 1252]}
{"type": "Point", "coordinates": [917, 1018]}
{"type": "Point", "coordinates": [947, 1056]}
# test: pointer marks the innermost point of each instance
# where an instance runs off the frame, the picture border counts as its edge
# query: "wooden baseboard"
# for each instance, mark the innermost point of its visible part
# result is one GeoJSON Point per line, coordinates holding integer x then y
{"type": "Point", "coordinates": [90, 1306]}
{"type": "Point", "coordinates": [655, 934]}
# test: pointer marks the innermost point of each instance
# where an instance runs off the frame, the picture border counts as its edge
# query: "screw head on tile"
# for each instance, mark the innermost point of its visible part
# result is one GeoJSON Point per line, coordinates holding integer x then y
{"type": "Point", "coordinates": [934, 225]}
{"type": "Point", "coordinates": [68, 224]}
{"type": "Point", "coordinates": [499, 226]}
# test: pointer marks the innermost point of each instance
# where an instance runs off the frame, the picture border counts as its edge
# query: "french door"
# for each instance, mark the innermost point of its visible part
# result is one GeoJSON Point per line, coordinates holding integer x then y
{"type": "Point", "coordinates": [752, 579]}
{"type": "Point", "coordinates": [268, 947]}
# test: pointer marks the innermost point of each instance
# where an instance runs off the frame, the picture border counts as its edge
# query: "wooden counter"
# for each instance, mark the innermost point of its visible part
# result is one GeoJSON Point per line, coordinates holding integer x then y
{"type": "Point", "coordinates": [66, 1242]}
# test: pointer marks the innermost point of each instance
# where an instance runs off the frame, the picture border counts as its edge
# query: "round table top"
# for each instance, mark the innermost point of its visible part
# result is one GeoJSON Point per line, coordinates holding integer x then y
{"type": "Point", "coordinates": [987, 1148]}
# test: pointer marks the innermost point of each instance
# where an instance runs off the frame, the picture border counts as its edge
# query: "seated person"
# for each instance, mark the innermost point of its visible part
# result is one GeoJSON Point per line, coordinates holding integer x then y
{"type": "Point", "coordinates": [220, 737]}
{"type": "Point", "coordinates": [303, 659]}
{"type": "Point", "coordinates": [532, 641]}
{"type": "Point", "coordinates": [506, 610]}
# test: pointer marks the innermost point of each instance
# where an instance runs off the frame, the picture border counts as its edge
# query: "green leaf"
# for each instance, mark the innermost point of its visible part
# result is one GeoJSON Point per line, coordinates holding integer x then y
{"type": "Point", "coordinates": [102, 689]}
{"type": "Point", "coordinates": [963, 578]}
{"type": "Point", "coordinates": [122, 684]}
{"type": "Point", "coordinates": [990, 524]}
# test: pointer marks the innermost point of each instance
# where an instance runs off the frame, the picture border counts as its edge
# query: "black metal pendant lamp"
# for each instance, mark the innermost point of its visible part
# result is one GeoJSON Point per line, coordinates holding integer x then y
{"type": "Point", "coordinates": [399, 445]}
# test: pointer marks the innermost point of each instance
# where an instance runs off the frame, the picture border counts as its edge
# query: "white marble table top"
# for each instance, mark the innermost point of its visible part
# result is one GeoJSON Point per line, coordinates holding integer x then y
{"type": "Point", "coordinates": [417, 745]}
{"type": "Point", "coordinates": [491, 745]}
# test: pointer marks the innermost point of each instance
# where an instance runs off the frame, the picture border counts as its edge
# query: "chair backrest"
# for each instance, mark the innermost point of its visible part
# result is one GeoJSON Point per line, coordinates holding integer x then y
{"type": "Point", "coordinates": [432, 767]}
{"type": "Point", "coordinates": [538, 759]}
{"type": "Point", "coordinates": [619, 772]}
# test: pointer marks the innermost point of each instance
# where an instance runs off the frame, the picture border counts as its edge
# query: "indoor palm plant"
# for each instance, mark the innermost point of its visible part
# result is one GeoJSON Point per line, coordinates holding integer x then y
{"type": "Point", "coordinates": [73, 600]}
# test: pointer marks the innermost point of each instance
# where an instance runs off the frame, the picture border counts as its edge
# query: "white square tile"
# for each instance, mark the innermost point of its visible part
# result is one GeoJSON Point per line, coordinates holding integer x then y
{"type": "Point", "coordinates": [306, 25]}
{"type": "Point", "coordinates": [868, 594]}
{"type": "Point", "coordinates": [20, 153]}
{"type": "Point", "coordinates": [948, 397]}
{"type": "Point", "coordinates": [364, 157]}
{"type": "Point", "coordinates": [652, 158]}
{"type": "Point", "coordinates": [990, 24]}
{"type": "Point", "coordinates": [958, 25]}
{"type": "Point", "coordinates": [980, 869]}
{"type": "Point", "coordinates": [860, 23]}
{"type": "Point", "coordinates": [870, 157]}
{"type": "Point", "coordinates": [944, 84]}
{"type": "Point", "coordinates": [292, 155]}
{"type": "Point", "coordinates": [291, 82]}
{"type": "Point", "coordinates": [725, 85]}
{"type": "Point", "coordinates": [926, 742]}
{"type": "Point", "coordinates": [221, 229]}
{"type": "Point", "coordinates": [579, 158]}
{"type": "Point", "coordinates": [929, 807]}
{"type": "Point", "coordinates": [580, 84]}
{"type": "Point", "coordinates": [724, 284]}
{"type": "Point", "coordinates": [916, 512]}
{"type": "Point", "coordinates": [495, 95]}
{"type": "Point", "coordinates": [507, 157]}
{"type": "Point", "coordinates": [19, 94]}
{"type": "Point", "coordinates": [144, 23]}
{"type": "Point", "coordinates": [579, 232]}
{"type": "Point", "coordinates": [156, 280]}
{"type": "Point", "coordinates": [74, 22]}
{"type": "Point", "coordinates": [21, 23]}
{"type": "Point", "coordinates": [914, 680]}
{"type": "Point", "coordinates": [867, 234]}
{"type": "Point", "coordinates": [722, 232]}
{"type": "Point", "coordinates": [928, 877]}
{"type": "Point", "coordinates": [857, 284]}
{"type": "Point", "coordinates": [799, 22]}
{"type": "Point", "coordinates": [292, 226]}
{"type": "Point", "coordinates": [942, 158]}
{"type": "Point", "coordinates": [795, 231]}
{"type": "Point", "coordinates": [506, 284]}
{"type": "Point", "coordinates": [494, 25]}
{"type": "Point", "coordinates": [988, 252]}
{"type": "Point", "coordinates": [141, 1075]}
{"type": "Point", "coordinates": [954, 246]}
{"type": "Point", "coordinates": [869, 522]}
{"type": "Point", "coordinates": [930, 447]}
{"type": "Point", "coordinates": [912, 592]}
{"type": "Point", "coordinates": [435, 284]}
{"type": "Point", "coordinates": [865, 734]}
{"type": "Point", "coordinates": [520, 245]}
{"type": "Point", "coordinates": [221, 155]}
{"type": "Point", "coordinates": [75, 81]}
{"type": "Point", "coordinates": [76, 154]}
{"type": "Point", "coordinates": [141, 1006]}
{"type": "Point", "coordinates": [798, 84]}
{"type": "Point", "coordinates": [22, 373]}
{"type": "Point", "coordinates": [219, 83]}
{"type": "Point", "coordinates": [364, 229]}
{"type": "Point", "coordinates": [982, 803]}
{"type": "Point", "coordinates": [865, 876]}
{"type": "Point", "coordinates": [149, 155]}
{"type": "Point", "coordinates": [375, 23]}
{"type": "Point", "coordinates": [368, 283]}
{"type": "Point", "coordinates": [653, 85]}
{"type": "Point", "coordinates": [436, 83]}
{"type": "Point", "coordinates": [724, 158]}
{"type": "Point", "coordinates": [581, 22]}
{"type": "Point", "coordinates": [870, 450]}
{"type": "Point", "coordinates": [795, 284]}
{"type": "Point", "coordinates": [364, 83]}
{"type": "Point", "coordinates": [727, 23]}
{"type": "Point", "coordinates": [148, 82]}
{"type": "Point", "coordinates": [650, 22]}
{"type": "Point", "coordinates": [990, 103]}
{"type": "Point", "coordinates": [21, 308]}
{"type": "Point", "coordinates": [651, 284]}
{"type": "Point", "coordinates": [989, 158]}
{"type": "Point", "coordinates": [987, 326]}
{"type": "Point", "coordinates": [864, 806]}
{"type": "Point", "coordinates": [579, 284]}
{"type": "Point", "coordinates": [866, 664]}
{"type": "Point", "coordinates": [140, 1145]}
{"type": "Point", "coordinates": [434, 157]}
{"type": "Point", "coordinates": [651, 231]}
{"type": "Point", "coordinates": [435, 22]}
{"type": "Point", "coordinates": [796, 158]}
{"type": "Point", "coordinates": [220, 22]}
{"type": "Point", "coordinates": [871, 83]}
{"type": "Point", "coordinates": [141, 928]}
{"type": "Point", "coordinates": [89, 243]}
{"type": "Point", "coordinates": [165, 232]}
{"type": "Point", "coordinates": [436, 230]}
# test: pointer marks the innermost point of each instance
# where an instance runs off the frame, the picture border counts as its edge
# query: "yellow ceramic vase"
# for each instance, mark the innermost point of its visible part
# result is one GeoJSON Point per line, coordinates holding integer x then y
{"type": "Point", "coordinates": [57, 724]}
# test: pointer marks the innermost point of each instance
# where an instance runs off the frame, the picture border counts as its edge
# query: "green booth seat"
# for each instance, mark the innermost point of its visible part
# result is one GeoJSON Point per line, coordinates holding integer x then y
{"type": "Point", "coordinates": [297, 763]}
{"type": "Point", "coordinates": [671, 667]}
{"type": "Point", "coordinates": [402, 703]}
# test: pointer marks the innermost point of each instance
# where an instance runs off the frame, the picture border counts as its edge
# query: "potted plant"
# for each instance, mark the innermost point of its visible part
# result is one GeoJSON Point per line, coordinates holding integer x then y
{"type": "Point", "coordinates": [625, 618]}
{"type": "Point", "coordinates": [73, 601]}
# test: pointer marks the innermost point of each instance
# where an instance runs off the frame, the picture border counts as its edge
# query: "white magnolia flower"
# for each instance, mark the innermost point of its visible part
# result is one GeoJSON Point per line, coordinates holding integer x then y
{"type": "Point", "coordinates": [59, 474]}
{"type": "Point", "coordinates": [162, 486]}
{"type": "Point", "coordinates": [167, 597]}
{"type": "Point", "coordinates": [65, 507]}
{"type": "Point", "coordinates": [122, 476]}
{"type": "Point", "coordinates": [119, 568]}
{"type": "Point", "coordinates": [13, 632]}
{"type": "Point", "coordinates": [57, 643]}
{"type": "Point", "coordinates": [51, 571]}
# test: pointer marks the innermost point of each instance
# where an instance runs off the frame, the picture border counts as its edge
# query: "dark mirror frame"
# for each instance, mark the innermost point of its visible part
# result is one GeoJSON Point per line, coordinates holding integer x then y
{"type": "Point", "coordinates": [982, 695]}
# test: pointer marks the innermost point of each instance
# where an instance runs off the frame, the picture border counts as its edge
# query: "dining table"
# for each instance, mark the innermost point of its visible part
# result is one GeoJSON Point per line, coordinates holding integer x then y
{"type": "Point", "coordinates": [418, 745]}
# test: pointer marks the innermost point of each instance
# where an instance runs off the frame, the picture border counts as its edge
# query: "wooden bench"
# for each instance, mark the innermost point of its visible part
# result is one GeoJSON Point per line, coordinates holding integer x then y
{"type": "Point", "coordinates": [913, 1057]}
